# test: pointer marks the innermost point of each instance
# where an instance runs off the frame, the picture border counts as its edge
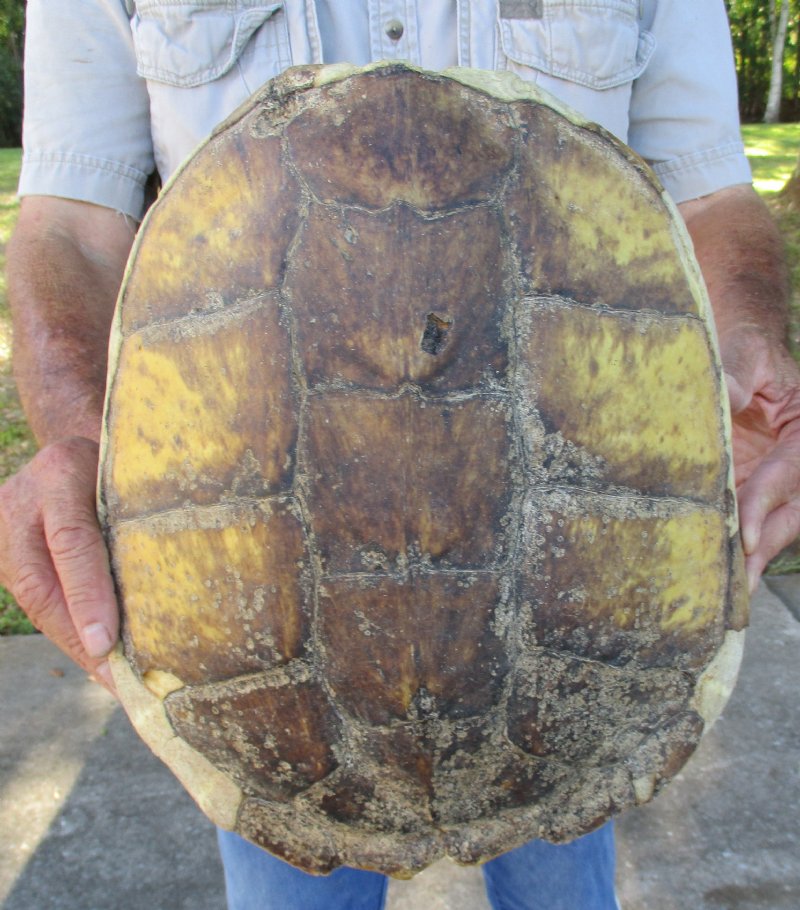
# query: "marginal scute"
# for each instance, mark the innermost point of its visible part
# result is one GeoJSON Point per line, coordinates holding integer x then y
{"type": "Point", "coordinates": [444, 659]}
{"type": "Point", "coordinates": [416, 474]}
{"type": "Point", "coordinates": [214, 791]}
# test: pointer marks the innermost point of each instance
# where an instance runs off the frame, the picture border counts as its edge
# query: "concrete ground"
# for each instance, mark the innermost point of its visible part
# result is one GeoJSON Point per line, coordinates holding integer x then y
{"type": "Point", "coordinates": [89, 820]}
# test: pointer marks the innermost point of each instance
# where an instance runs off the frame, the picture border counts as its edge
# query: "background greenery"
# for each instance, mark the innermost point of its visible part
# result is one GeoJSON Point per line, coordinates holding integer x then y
{"type": "Point", "coordinates": [756, 33]}
{"type": "Point", "coordinates": [12, 29]}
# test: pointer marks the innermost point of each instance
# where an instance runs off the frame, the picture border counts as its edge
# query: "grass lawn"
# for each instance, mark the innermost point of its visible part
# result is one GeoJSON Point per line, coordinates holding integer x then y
{"type": "Point", "coordinates": [16, 442]}
{"type": "Point", "coordinates": [772, 151]}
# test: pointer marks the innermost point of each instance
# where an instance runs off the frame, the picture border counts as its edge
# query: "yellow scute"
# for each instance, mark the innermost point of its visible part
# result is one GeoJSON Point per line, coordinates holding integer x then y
{"type": "Point", "coordinates": [641, 395]}
{"type": "Point", "coordinates": [177, 408]}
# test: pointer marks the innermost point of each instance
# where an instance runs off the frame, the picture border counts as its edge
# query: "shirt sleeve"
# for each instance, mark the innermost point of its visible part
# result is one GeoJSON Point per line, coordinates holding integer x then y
{"type": "Point", "coordinates": [684, 109]}
{"type": "Point", "coordinates": [86, 129]}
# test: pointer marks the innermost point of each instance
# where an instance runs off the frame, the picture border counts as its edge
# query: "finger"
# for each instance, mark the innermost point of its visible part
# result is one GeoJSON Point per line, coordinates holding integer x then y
{"type": "Point", "coordinates": [781, 527]}
{"type": "Point", "coordinates": [772, 485]}
{"type": "Point", "coordinates": [81, 564]}
{"type": "Point", "coordinates": [80, 558]}
{"type": "Point", "coordinates": [37, 589]}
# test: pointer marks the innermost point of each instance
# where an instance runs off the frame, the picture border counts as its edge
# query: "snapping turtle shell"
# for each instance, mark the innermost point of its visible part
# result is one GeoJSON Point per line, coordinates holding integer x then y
{"type": "Point", "coordinates": [416, 474]}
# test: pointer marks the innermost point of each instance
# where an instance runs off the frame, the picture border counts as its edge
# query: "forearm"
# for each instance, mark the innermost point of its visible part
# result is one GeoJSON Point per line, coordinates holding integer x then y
{"type": "Point", "coordinates": [65, 265]}
{"type": "Point", "coordinates": [740, 253]}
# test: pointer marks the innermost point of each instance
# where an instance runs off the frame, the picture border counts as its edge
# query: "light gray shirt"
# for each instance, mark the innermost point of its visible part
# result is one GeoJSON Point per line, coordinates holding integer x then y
{"type": "Point", "coordinates": [116, 88]}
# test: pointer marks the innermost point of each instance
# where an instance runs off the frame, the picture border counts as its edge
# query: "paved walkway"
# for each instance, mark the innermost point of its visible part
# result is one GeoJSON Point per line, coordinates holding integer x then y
{"type": "Point", "coordinates": [89, 820]}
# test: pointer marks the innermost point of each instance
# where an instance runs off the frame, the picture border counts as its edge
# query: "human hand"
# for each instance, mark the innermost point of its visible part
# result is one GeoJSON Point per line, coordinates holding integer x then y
{"type": "Point", "coordinates": [53, 558]}
{"type": "Point", "coordinates": [764, 390]}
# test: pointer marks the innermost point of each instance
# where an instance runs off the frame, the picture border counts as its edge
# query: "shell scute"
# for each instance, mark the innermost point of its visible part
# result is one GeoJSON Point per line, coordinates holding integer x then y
{"type": "Point", "coordinates": [443, 658]}
{"type": "Point", "coordinates": [279, 732]}
{"type": "Point", "coordinates": [394, 276]}
{"type": "Point", "coordinates": [456, 154]}
{"type": "Point", "coordinates": [567, 226]}
{"type": "Point", "coordinates": [430, 488]}
{"type": "Point", "coordinates": [631, 588]}
{"type": "Point", "coordinates": [241, 245]}
{"type": "Point", "coordinates": [234, 580]}
{"type": "Point", "coordinates": [213, 438]}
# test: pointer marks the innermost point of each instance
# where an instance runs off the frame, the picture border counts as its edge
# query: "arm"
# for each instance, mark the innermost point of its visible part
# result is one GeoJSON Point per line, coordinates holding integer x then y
{"type": "Point", "coordinates": [65, 264]}
{"type": "Point", "coordinates": [740, 254]}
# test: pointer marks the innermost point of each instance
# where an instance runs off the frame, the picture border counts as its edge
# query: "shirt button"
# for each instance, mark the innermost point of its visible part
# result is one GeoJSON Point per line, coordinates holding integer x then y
{"type": "Point", "coordinates": [394, 29]}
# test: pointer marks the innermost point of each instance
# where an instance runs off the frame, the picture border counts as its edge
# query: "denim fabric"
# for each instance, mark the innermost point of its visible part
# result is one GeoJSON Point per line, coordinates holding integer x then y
{"type": "Point", "coordinates": [537, 876]}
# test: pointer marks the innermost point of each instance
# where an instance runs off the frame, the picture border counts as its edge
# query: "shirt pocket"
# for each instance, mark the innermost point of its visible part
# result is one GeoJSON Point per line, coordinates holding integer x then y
{"type": "Point", "coordinates": [187, 44]}
{"type": "Point", "coordinates": [594, 43]}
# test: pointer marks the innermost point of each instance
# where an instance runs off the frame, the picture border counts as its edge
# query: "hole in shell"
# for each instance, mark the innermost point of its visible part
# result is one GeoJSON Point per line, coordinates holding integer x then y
{"type": "Point", "coordinates": [434, 337]}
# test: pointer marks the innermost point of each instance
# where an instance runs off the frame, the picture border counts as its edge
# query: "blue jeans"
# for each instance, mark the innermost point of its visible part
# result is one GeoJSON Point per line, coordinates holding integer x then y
{"type": "Point", "coordinates": [537, 876]}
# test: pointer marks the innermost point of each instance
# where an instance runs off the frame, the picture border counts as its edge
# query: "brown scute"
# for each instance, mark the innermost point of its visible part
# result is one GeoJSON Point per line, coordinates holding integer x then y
{"type": "Point", "coordinates": [580, 713]}
{"type": "Point", "coordinates": [428, 142]}
{"type": "Point", "coordinates": [413, 648]}
{"type": "Point", "coordinates": [395, 481]}
{"type": "Point", "coordinates": [239, 248]}
{"type": "Point", "coordinates": [406, 753]}
{"type": "Point", "coordinates": [277, 735]}
{"type": "Point", "coordinates": [196, 431]}
{"type": "Point", "coordinates": [285, 832]}
{"type": "Point", "coordinates": [372, 802]}
{"type": "Point", "coordinates": [594, 222]}
{"type": "Point", "coordinates": [234, 587]}
{"type": "Point", "coordinates": [350, 799]}
{"type": "Point", "coordinates": [416, 473]}
{"type": "Point", "coordinates": [390, 273]}
{"type": "Point", "coordinates": [494, 781]}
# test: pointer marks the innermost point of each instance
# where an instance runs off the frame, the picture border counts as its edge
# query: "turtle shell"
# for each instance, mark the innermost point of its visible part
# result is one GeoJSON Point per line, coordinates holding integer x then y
{"type": "Point", "coordinates": [416, 474]}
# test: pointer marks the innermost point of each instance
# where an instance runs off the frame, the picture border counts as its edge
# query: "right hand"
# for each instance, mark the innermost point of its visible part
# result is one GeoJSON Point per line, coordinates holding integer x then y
{"type": "Point", "coordinates": [53, 557]}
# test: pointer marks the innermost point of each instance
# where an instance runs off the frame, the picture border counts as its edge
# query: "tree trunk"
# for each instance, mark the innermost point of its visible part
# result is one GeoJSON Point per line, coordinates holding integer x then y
{"type": "Point", "coordinates": [789, 196]}
{"type": "Point", "coordinates": [773, 111]}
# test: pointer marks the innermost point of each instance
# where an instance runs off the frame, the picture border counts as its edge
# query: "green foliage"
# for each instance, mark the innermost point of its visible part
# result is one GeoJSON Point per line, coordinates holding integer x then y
{"type": "Point", "coordinates": [12, 29]}
{"type": "Point", "coordinates": [12, 620]}
{"type": "Point", "coordinates": [752, 32]}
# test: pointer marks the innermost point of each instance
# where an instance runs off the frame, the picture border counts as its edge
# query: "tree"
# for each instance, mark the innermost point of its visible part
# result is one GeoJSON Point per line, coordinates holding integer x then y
{"type": "Point", "coordinates": [779, 25]}
{"type": "Point", "coordinates": [766, 45]}
{"type": "Point", "coordinates": [12, 28]}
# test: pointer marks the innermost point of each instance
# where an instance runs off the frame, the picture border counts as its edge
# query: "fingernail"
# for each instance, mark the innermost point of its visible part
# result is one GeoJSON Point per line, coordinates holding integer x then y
{"type": "Point", "coordinates": [97, 640]}
{"type": "Point", "coordinates": [750, 537]}
{"type": "Point", "coordinates": [103, 673]}
{"type": "Point", "coordinates": [753, 578]}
